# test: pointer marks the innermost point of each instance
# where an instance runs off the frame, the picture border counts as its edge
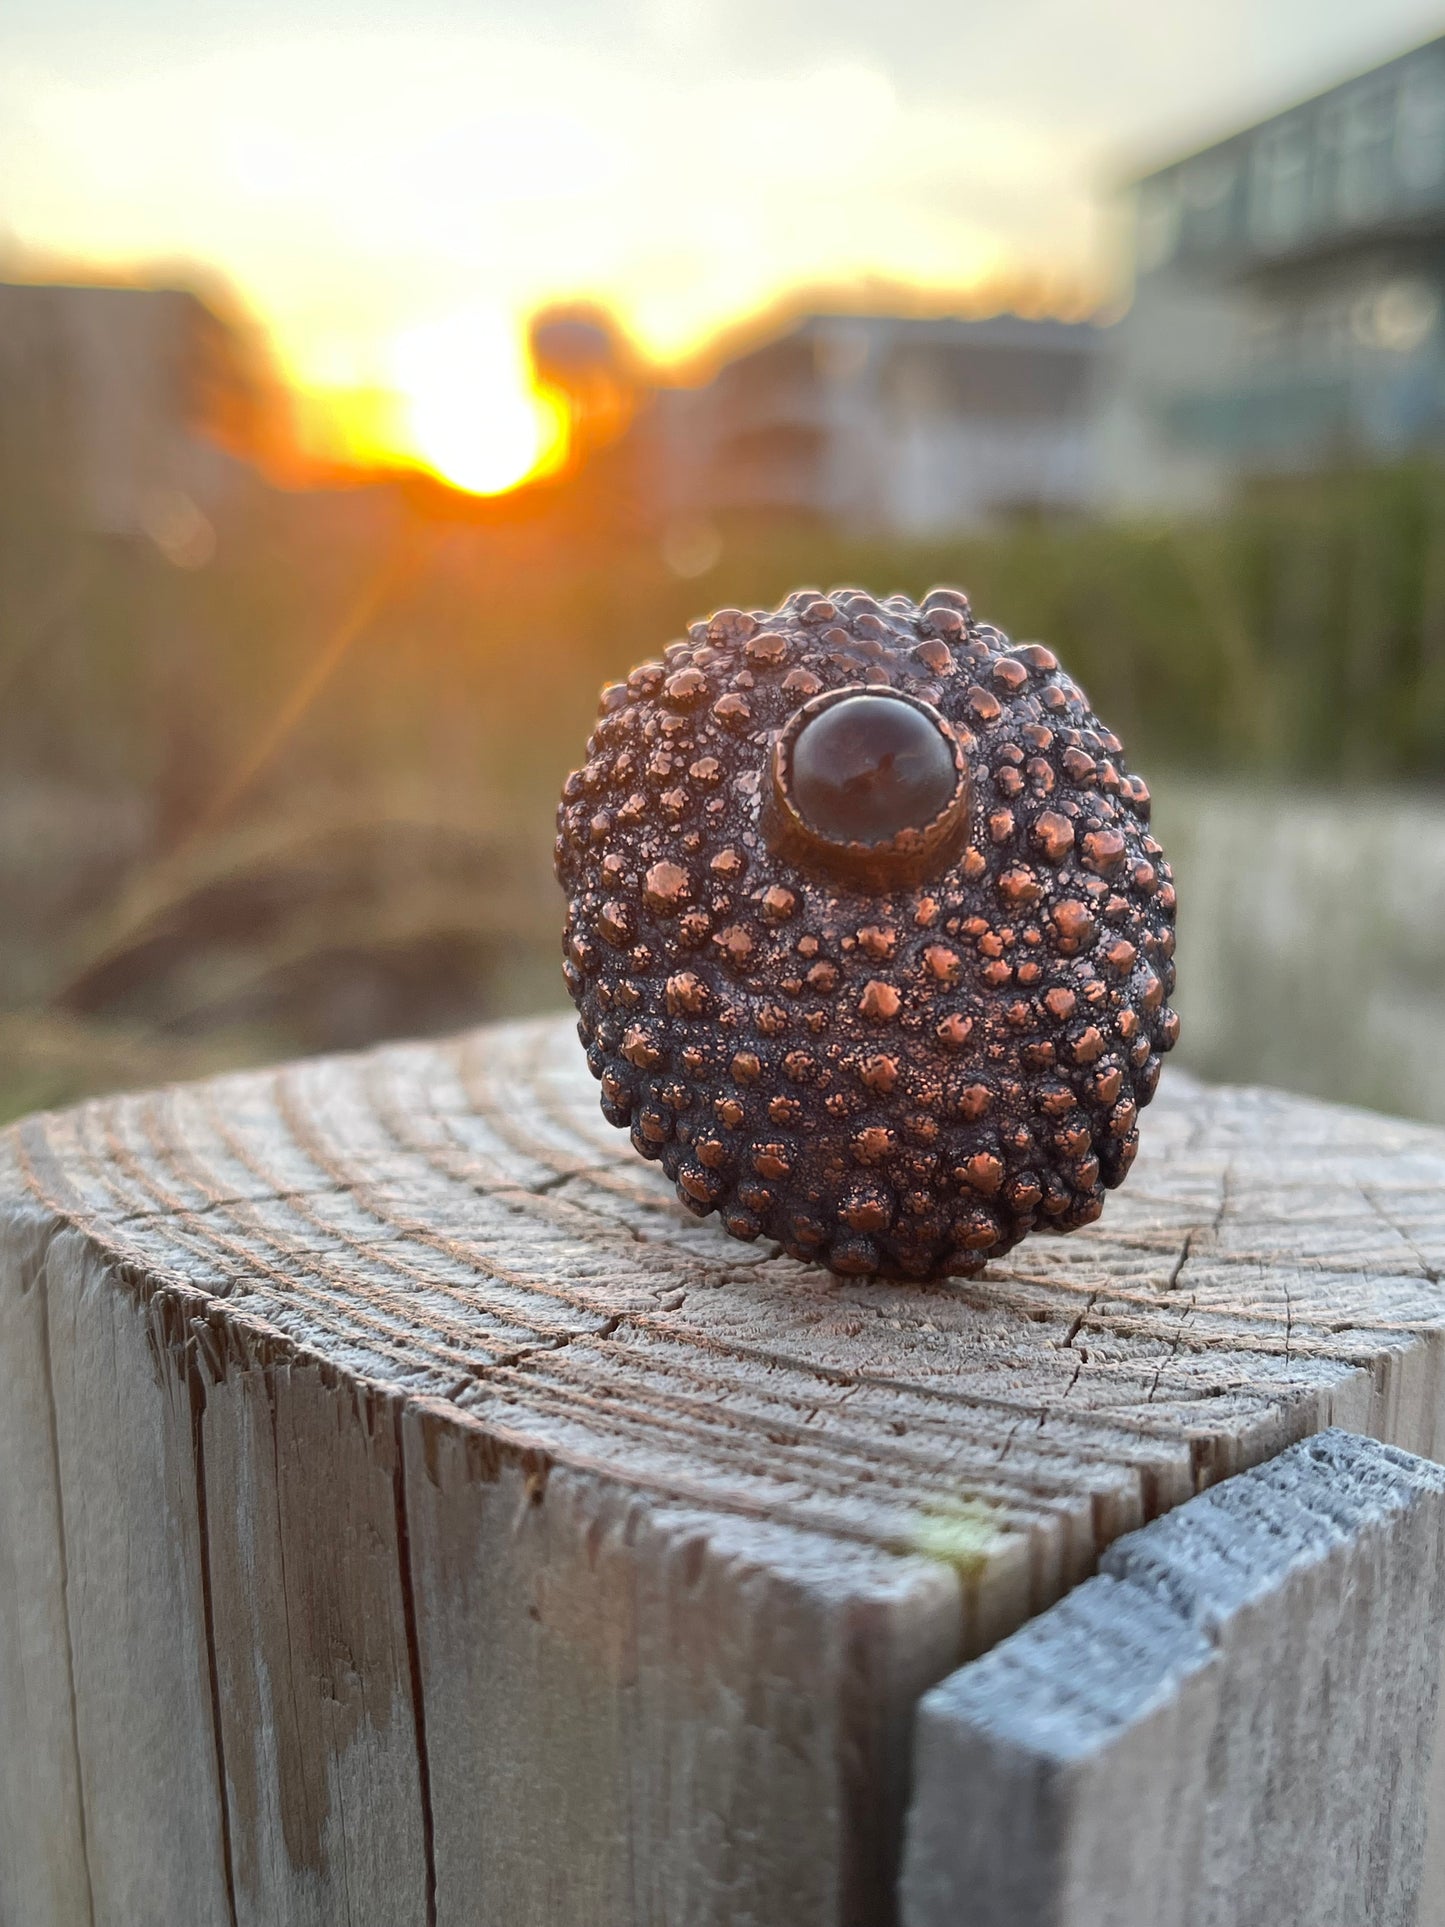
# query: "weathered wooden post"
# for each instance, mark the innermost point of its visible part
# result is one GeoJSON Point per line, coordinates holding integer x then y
{"type": "Point", "coordinates": [408, 1514]}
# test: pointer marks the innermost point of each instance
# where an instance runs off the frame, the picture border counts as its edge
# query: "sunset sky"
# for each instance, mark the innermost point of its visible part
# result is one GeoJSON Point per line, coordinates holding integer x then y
{"type": "Point", "coordinates": [362, 175]}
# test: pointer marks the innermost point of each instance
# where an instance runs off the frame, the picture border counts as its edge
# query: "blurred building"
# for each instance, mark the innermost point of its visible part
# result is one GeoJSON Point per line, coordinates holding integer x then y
{"type": "Point", "coordinates": [127, 410]}
{"type": "Point", "coordinates": [1289, 289]}
{"type": "Point", "coordinates": [581, 355]}
{"type": "Point", "coordinates": [879, 422]}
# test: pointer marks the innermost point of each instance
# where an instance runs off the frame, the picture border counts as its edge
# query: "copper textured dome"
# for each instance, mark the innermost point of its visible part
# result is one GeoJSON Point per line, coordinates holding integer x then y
{"type": "Point", "coordinates": [870, 940]}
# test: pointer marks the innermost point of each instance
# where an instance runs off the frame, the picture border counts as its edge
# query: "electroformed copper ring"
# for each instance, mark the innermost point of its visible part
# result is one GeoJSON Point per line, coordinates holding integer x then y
{"type": "Point", "coordinates": [870, 942]}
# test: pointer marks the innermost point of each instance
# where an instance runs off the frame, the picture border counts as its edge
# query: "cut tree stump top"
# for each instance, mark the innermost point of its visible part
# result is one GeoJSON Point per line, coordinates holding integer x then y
{"type": "Point", "coordinates": [457, 1221]}
{"type": "Point", "coordinates": [411, 1516]}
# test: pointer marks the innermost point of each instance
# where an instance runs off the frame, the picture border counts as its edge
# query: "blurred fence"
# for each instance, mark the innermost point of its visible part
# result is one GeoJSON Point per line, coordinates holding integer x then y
{"type": "Point", "coordinates": [1311, 938]}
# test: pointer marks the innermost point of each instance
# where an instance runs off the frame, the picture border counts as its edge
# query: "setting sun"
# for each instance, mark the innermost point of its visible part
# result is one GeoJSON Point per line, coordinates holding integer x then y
{"type": "Point", "coordinates": [470, 407]}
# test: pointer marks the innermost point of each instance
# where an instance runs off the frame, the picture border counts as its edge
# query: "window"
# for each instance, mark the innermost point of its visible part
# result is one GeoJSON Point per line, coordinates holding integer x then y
{"type": "Point", "coordinates": [1356, 176]}
{"type": "Point", "coordinates": [840, 352]}
{"type": "Point", "coordinates": [1279, 183]}
{"type": "Point", "coordinates": [1156, 222]}
{"type": "Point", "coordinates": [1207, 186]}
{"type": "Point", "coordinates": [1420, 125]}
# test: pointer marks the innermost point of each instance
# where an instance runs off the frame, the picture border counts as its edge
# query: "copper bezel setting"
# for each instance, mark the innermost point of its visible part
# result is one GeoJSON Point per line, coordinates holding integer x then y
{"type": "Point", "coordinates": [912, 855]}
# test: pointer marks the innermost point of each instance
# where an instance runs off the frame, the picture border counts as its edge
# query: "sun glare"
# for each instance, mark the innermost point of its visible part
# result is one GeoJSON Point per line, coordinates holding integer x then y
{"type": "Point", "coordinates": [471, 409]}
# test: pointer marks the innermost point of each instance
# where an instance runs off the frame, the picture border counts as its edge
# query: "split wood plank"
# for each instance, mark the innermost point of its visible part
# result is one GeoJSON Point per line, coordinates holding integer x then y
{"type": "Point", "coordinates": [1231, 1726]}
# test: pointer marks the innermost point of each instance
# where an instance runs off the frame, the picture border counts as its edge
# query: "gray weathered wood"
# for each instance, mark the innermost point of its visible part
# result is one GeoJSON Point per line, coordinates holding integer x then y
{"type": "Point", "coordinates": [1231, 1726]}
{"type": "Point", "coordinates": [313, 1637]}
{"type": "Point", "coordinates": [509, 1545]}
{"type": "Point", "coordinates": [43, 1854]}
{"type": "Point", "coordinates": [704, 1711]}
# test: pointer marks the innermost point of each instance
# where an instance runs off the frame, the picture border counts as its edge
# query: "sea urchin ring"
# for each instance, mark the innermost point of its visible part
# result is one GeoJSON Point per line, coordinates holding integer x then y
{"type": "Point", "coordinates": [869, 939]}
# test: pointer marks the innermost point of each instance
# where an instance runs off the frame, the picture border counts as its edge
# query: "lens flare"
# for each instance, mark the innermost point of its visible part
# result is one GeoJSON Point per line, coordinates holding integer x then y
{"type": "Point", "coordinates": [471, 409]}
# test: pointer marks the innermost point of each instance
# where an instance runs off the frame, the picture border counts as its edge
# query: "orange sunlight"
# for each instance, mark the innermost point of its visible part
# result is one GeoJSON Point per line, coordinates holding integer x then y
{"type": "Point", "coordinates": [470, 407]}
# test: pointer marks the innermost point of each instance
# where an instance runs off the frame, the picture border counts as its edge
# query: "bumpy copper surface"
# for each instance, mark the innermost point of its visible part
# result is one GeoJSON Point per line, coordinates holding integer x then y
{"type": "Point", "coordinates": [896, 1070]}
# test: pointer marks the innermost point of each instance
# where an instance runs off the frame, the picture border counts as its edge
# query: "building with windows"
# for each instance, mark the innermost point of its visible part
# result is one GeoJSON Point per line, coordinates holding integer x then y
{"type": "Point", "coordinates": [1289, 294]}
{"type": "Point", "coordinates": [128, 411]}
{"type": "Point", "coordinates": [887, 423]}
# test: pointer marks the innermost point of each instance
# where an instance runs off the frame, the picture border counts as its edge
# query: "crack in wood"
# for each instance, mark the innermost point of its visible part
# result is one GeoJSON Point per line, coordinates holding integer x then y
{"type": "Point", "coordinates": [42, 1290]}
{"type": "Point", "coordinates": [414, 1665]}
{"type": "Point", "coordinates": [196, 1394]}
{"type": "Point", "coordinates": [1370, 1193]}
{"type": "Point", "coordinates": [1177, 1267]}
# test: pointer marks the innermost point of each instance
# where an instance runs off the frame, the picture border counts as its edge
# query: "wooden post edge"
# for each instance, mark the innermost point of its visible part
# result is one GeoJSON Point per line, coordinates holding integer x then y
{"type": "Point", "coordinates": [1231, 1723]}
